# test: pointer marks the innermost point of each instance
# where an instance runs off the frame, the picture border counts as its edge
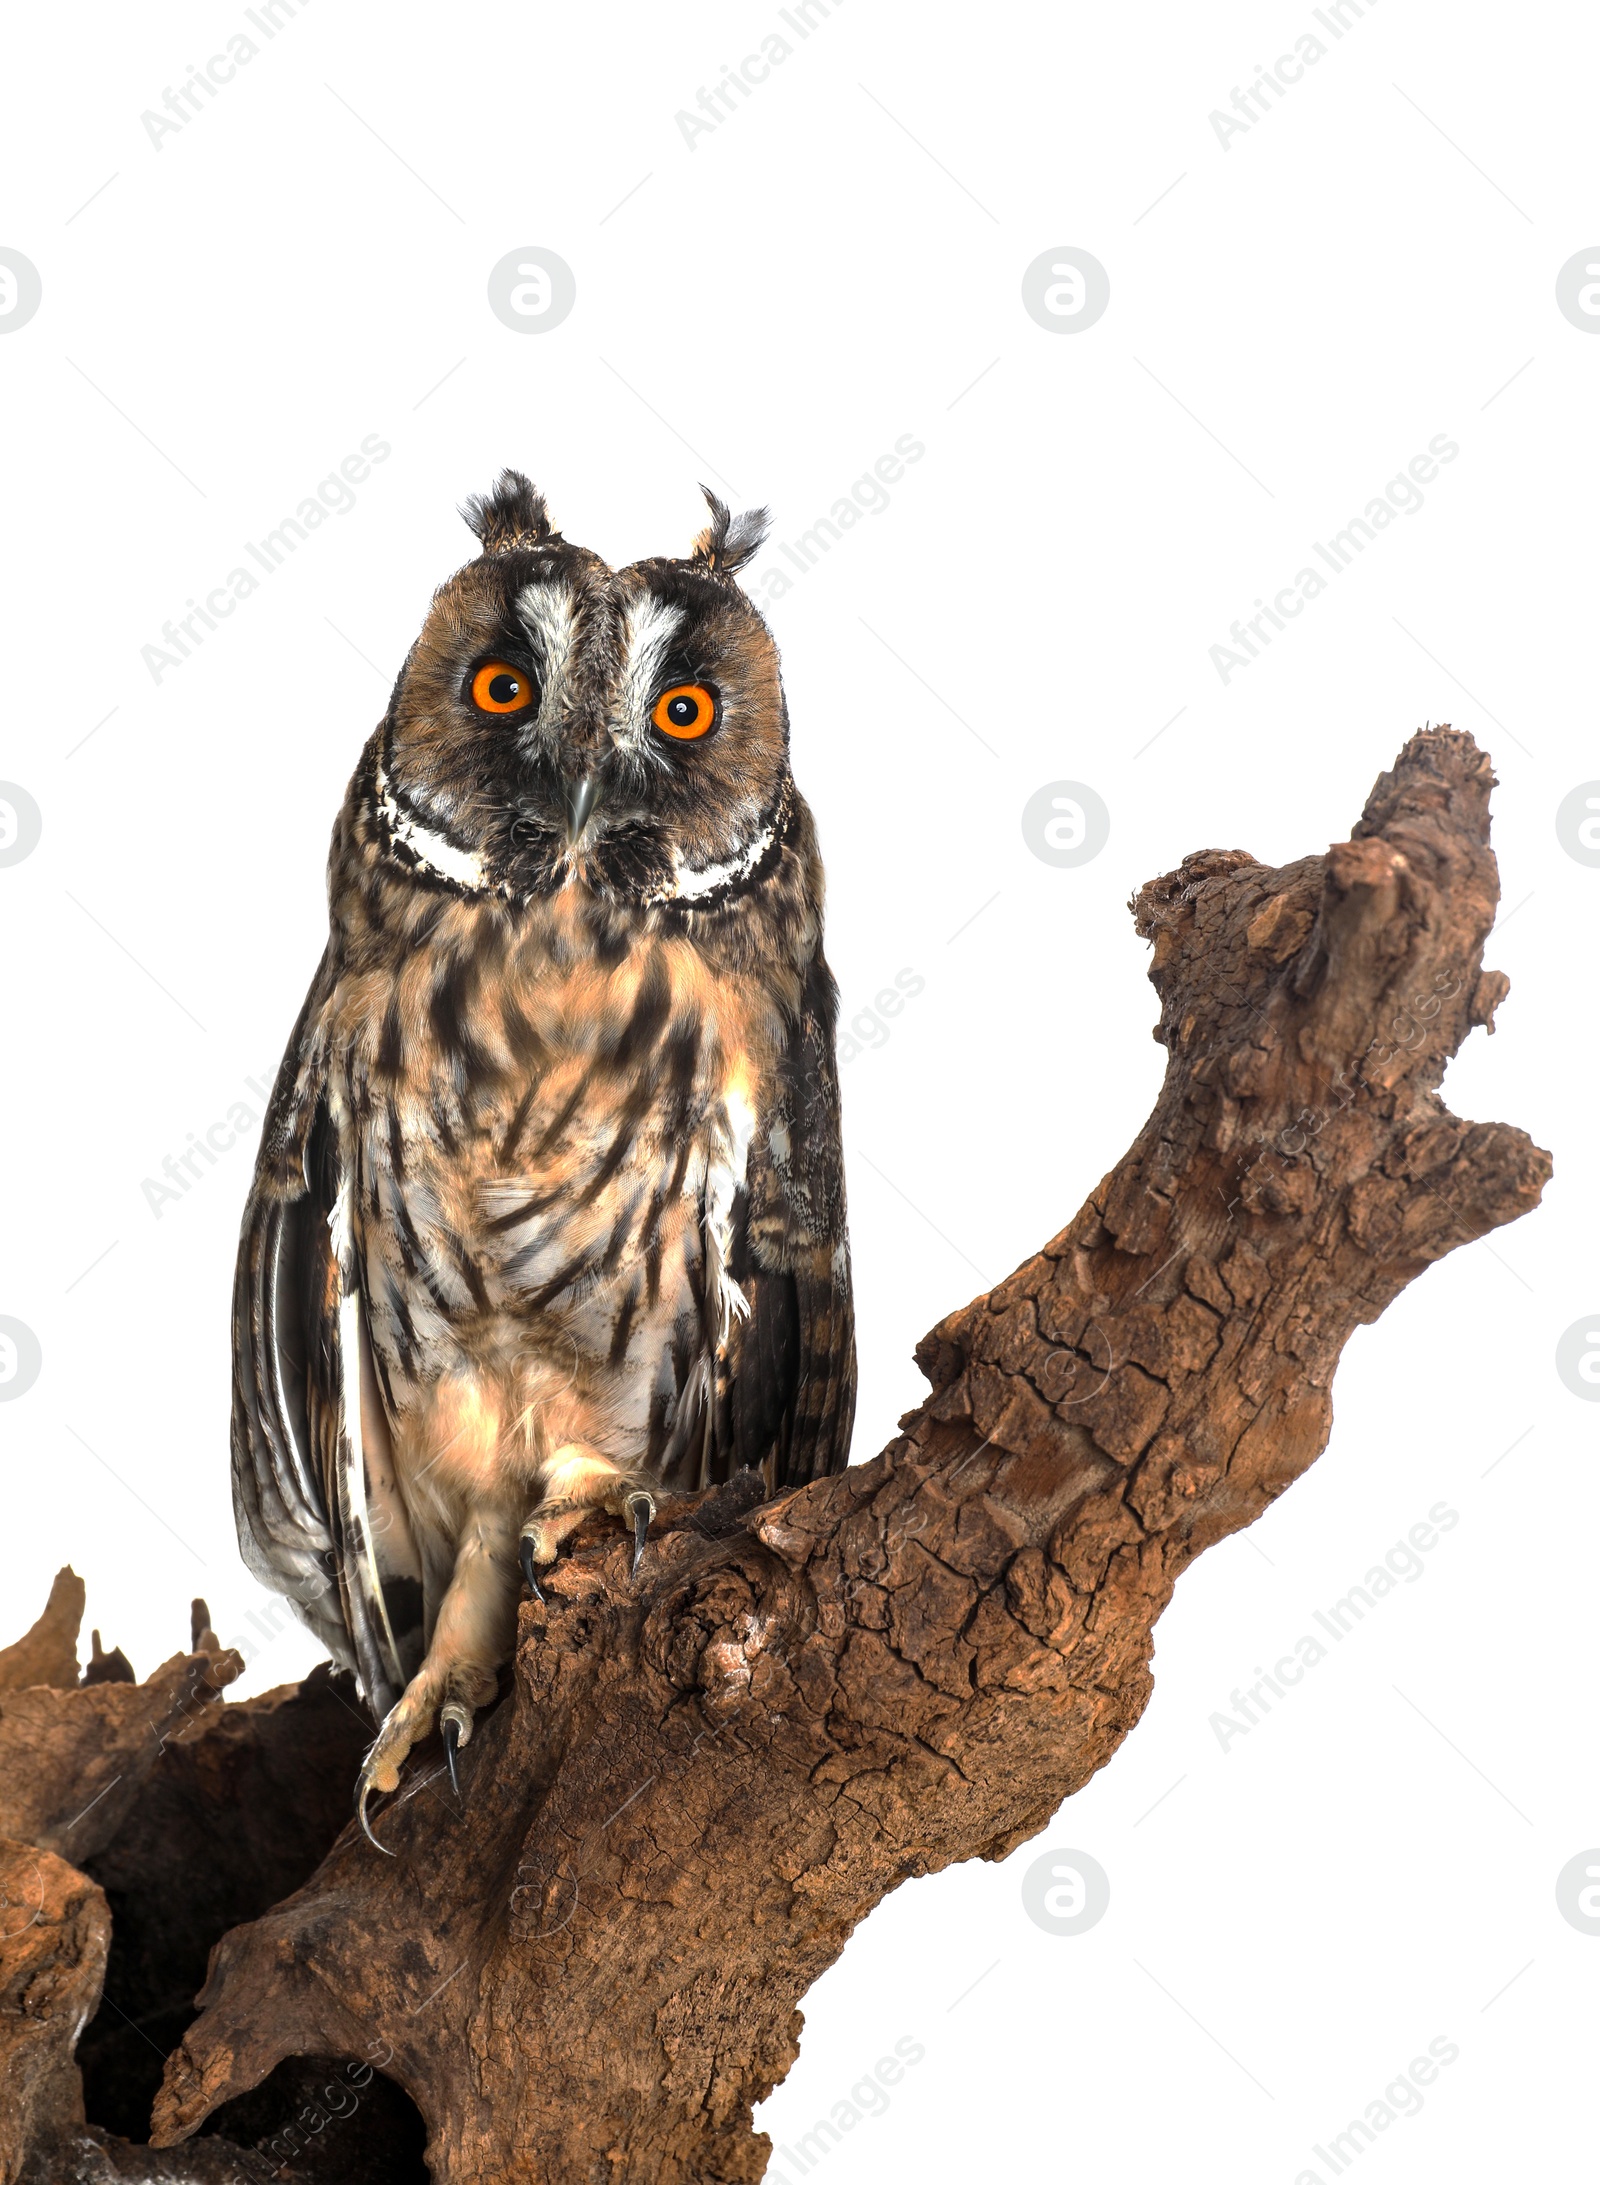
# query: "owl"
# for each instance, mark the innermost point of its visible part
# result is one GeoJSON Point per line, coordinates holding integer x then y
{"type": "Point", "coordinates": [549, 1214]}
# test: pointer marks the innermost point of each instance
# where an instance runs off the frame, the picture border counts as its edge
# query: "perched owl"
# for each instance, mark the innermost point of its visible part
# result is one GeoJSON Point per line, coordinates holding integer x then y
{"type": "Point", "coordinates": [549, 1211]}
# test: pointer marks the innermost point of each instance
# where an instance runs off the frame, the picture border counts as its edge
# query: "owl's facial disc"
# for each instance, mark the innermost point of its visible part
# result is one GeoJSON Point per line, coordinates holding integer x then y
{"type": "Point", "coordinates": [560, 723]}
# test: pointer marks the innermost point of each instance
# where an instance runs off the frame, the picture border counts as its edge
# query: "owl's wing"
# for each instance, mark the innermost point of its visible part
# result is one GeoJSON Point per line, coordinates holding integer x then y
{"type": "Point", "coordinates": [786, 1385]}
{"type": "Point", "coordinates": [299, 1487]}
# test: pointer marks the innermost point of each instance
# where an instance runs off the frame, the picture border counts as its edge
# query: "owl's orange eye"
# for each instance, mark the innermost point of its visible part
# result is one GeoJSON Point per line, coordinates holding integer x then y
{"type": "Point", "coordinates": [686, 711]}
{"type": "Point", "coordinates": [498, 688]}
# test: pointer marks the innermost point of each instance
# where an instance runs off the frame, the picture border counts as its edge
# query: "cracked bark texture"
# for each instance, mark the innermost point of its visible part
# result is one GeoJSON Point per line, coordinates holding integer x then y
{"type": "Point", "coordinates": [184, 1817]}
{"type": "Point", "coordinates": [699, 1781]}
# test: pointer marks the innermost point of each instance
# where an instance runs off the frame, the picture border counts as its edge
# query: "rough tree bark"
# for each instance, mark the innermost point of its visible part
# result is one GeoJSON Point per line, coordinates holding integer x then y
{"type": "Point", "coordinates": [701, 1780]}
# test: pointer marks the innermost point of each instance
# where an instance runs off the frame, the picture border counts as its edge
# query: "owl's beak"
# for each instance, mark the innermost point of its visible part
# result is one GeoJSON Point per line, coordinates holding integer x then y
{"type": "Point", "coordinates": [582, 797]}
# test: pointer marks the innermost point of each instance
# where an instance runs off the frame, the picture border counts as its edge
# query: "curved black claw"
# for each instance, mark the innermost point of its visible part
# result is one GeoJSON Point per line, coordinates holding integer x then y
{"type": "Point", "coordinates": [452, 1739]}
{"type": "Point", "coordinates": [641, 1507]}
{"type": "Point", "coordinates": [525, 1558]}
{"type": "Point", "coordinates": [363, 1793]}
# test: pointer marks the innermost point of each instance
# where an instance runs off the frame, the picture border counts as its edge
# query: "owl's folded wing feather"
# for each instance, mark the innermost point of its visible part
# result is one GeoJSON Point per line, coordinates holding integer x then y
{"type": "Point", "coordinates": [299, 1491]}
{"type": "Point", "coordinates": [786, 1386]}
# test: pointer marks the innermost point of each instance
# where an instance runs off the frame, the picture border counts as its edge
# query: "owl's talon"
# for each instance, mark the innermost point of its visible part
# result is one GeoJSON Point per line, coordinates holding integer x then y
{"type": "Point", "coordinates": [525, 1558]}
{"type": "Point", "coordinates": [363, 1793]}
{"type": "Point", "coordinates": [455, 1726]}
{"type": "Point", "coordinates": [641, 1508]}
{"type": "Point", "coordinates": [411, 1717]}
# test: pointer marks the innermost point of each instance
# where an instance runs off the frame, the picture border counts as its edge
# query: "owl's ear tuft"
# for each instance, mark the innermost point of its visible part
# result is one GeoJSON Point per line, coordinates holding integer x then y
{"type": "Point", "coordinates": [728, 542]}
{"type": "Point", "coordinates": [512, 518]}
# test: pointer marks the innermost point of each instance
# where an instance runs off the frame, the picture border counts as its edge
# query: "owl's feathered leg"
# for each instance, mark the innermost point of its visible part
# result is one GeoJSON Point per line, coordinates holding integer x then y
{"type": "Point", "coordinates": [579, 1479]}
{"type": "Point", "coordinates": [472, 1636]}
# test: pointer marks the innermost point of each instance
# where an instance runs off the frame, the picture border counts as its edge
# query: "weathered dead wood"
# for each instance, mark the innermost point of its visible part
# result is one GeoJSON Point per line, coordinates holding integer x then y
{"type": "Point", "coordinates": [54, 1934]}
{"type": "Point", "coordinates": [72, 1762]}
{"type": "Point", "coordinates": [188, 1817]}
{"type": "Point", "coordinates": [47, 1653]}
{"type": "Point", "coordinates": [239, 1811]}
{"type": "Point", "coordinates": [698, 1783]}
{"type": "Point", "coordinates": [55, 1931]}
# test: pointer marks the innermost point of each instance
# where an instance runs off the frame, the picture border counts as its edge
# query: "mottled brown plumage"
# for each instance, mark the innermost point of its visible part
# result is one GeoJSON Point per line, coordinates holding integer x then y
{"type": "Point", "coordinates": [549, 1209]}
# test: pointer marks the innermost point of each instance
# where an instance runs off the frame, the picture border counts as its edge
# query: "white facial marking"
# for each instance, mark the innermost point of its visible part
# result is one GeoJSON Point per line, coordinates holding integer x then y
{"type": "Point", "coordinates": [549, 614]}
{"type": "Point", "coordinates": [647, 636]}
{"type": "Point", "coordinates": [433, 850]}
{"type": "Point", "coordinates": [691, 882]}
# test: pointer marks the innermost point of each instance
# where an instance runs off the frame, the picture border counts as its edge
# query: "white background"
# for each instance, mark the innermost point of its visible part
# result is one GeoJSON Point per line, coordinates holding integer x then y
{"type": "Point", "coordinates": [1292, 318]}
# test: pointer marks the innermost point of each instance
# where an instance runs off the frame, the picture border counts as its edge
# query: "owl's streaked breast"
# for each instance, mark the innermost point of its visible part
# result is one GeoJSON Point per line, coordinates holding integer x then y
{"type": "Point", "coordinates": [548, 1146]}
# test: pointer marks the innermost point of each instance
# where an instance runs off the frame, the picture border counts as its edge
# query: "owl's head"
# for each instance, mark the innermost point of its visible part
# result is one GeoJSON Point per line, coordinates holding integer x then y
{"type": "Point", "coordinates": [558, 720]}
